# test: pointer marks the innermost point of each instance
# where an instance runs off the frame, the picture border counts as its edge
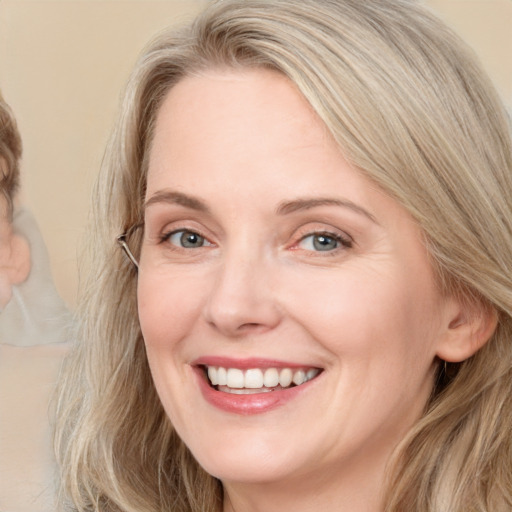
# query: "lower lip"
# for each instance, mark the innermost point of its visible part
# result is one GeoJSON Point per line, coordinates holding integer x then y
{"type": "Point", "coordinates": [256, 403]}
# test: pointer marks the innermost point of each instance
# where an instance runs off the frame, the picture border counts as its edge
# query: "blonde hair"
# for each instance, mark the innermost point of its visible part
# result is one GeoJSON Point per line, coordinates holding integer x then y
{"type": "Point", "coordinates": [411, 108]}
{"type": "Point", "coordinates": [10, 154]}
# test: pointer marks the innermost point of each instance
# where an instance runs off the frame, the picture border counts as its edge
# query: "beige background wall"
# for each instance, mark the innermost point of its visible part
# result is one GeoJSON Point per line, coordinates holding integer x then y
{"type": "Point", "coordinates": [63, 65]}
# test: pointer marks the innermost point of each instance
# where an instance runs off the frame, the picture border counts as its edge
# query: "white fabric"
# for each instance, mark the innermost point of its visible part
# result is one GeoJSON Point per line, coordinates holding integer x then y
{"type": "Point", "coordinates": [35, 315]}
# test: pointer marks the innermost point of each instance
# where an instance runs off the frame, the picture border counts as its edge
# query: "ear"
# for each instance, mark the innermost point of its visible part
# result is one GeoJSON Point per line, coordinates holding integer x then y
{"type": "Point", "coordinates": [469, 324]}
{"type": "Point", "coordinates": [17, 266]}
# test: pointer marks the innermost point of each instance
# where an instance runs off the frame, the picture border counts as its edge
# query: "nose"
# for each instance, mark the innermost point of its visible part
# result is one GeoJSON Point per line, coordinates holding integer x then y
{"type": "Point", "coordinates": [243, 299]}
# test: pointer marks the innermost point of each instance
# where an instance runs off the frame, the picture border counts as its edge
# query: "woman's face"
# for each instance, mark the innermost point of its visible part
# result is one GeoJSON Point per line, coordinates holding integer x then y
{"type": "Point", "coordinates": [268, 258]}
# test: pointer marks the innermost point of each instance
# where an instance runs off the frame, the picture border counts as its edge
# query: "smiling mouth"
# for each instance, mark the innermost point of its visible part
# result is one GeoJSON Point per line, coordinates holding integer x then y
{"type": "Point", "coordinates": [257, 380]}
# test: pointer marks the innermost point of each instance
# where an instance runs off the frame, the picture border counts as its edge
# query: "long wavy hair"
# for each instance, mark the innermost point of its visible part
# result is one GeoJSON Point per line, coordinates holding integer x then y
{"type": "Point", "coordinates": [10, 154]}
{"type": "Point", "coordinates": [412, 109]}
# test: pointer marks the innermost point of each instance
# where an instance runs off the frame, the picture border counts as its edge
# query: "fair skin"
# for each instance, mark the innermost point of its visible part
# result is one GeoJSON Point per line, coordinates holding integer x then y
{"type": "Point", "coordinates": [265, 250]}
{"type": "Point", "coordinates": [14, 257]}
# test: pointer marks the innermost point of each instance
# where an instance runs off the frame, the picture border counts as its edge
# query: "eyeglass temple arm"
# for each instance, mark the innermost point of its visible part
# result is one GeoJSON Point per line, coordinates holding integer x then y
{"type": "Point", "coordinates": [121, 240]}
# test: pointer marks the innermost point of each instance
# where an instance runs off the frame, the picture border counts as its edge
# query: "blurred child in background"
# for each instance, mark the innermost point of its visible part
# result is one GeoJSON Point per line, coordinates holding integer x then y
{"type": "Point", "coordinates": [33, 341]}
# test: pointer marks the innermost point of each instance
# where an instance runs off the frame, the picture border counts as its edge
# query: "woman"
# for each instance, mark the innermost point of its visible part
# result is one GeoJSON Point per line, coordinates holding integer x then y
{"type": "Point", "coordinates": [316, 308]}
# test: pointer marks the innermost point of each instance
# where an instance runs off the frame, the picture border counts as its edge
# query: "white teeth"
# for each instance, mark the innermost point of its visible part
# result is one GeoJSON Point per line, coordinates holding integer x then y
{"type": "Point", "coordinates": [245, 391]}
{"type": "Point", "coordinates": [222, 376]}
{"type": "Point", "coordinates": [235, 378]}
{"type": "Point", "coordinates": [254, 378]}
{"type": "Point", "coordinates": [299, 377]}
{"type": "Point", "coordinates": [285, 377]}
{"type": "Point", "coordinates": [212, 375]}
{"type": "Point", "coordinates": [311, 373]}
{"type": "Point", "coordinates": [241, 382]}
{"type": "Point", "coordinates": [271, 378]}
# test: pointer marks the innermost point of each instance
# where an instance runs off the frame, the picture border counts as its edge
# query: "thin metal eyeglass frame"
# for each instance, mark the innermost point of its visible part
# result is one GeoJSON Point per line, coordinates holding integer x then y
{"type": "Point", "coordinates": [121, 240]}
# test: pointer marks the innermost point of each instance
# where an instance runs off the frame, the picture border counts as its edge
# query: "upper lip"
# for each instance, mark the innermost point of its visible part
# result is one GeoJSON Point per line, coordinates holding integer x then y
{"type": "Point", "coordinates": [248, 363]}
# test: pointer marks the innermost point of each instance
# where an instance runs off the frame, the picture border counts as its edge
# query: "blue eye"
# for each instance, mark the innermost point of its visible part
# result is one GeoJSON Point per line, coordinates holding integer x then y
{"type": "Point", "coordinates": [323, 242]}
{"type": "Point", "coordinates": [187, 239]}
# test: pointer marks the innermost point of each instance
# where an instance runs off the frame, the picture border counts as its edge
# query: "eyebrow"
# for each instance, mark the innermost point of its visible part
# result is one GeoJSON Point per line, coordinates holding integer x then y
{"type": "Point", "coordinates": [285, 208]}
{"type": "Point", "coordinates": [309, 203]}
{"type": "Point", "coordinates": [171, 197]}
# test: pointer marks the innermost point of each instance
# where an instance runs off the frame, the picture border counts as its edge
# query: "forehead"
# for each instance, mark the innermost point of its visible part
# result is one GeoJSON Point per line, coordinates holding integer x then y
{"type": "Point", "coordinates": [236, 118]}
{"type": "Point", "coordinates": [233, 98]}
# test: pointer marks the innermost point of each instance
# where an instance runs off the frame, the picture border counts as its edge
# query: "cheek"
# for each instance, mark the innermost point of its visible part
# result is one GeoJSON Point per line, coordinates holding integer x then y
{"type": "Point", "coordinates": [168, 308]}
{"type": "Point", "coordinates": [364, 313]}
{"type": "Point", "coordinates": [167, 314]}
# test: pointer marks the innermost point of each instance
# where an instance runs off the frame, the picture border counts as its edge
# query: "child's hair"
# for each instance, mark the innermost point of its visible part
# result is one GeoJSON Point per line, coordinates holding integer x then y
{"type": "Point", "coordinates": [10, 154]}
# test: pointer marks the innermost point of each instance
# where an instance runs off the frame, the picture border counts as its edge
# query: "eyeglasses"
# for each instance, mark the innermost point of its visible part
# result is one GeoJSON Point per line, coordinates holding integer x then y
{"type": "Point", "coordinates": [121, 240]}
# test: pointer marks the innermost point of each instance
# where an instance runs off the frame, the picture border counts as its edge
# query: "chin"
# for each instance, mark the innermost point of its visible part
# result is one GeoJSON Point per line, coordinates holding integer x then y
{"type": "Point", "coordinates": [245, 459]}
{"type": "Point", "coordinates": [246, 471]}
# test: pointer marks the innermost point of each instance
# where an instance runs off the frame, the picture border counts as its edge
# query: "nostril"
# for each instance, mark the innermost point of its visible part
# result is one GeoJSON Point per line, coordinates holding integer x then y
{"type": "Point", "coordinates": [250, 325]}
{"type": "Point", "coordinates": [252, 328]}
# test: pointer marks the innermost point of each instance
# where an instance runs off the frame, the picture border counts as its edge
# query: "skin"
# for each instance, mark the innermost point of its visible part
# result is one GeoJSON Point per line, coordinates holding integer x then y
{"type": "Point", "coordinates": [14, 257]}
{"type": "Point", "coordinates": [367, 311]}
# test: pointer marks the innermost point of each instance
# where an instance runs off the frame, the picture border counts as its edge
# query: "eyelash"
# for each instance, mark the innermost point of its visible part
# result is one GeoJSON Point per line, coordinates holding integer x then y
{"type": "Point", "coordinates": [166, 237]}
{"type": "Point", "coordinates": [343, 242]}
